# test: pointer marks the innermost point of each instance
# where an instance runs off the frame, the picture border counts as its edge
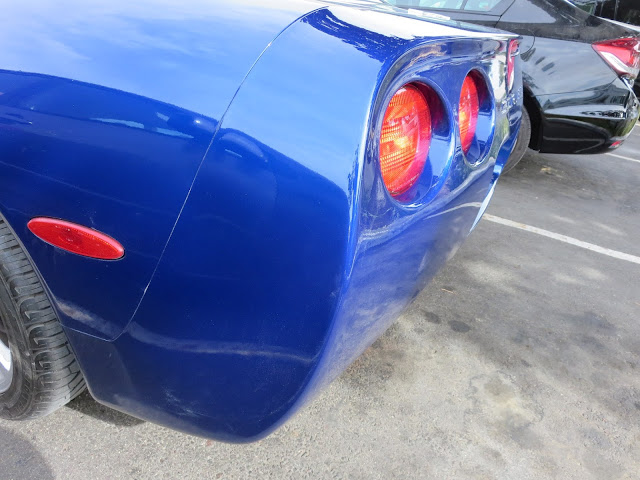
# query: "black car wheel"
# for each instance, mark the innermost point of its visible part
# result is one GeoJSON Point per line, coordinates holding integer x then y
{"type": "Point", "coordinates": [522, 142]}
{"type": "Point", "coordinates": [38, 371]}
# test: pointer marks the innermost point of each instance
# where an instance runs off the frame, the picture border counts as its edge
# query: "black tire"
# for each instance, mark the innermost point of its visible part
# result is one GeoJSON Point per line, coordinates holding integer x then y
{"type": "Point", "coordinates": [522, 142]}
{"type": "Point", "coordinates": [45, 373]}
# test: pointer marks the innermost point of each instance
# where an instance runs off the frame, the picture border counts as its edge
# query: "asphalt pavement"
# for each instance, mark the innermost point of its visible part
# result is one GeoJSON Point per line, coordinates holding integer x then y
{"type": "Point", "coordinates": [521, 360]}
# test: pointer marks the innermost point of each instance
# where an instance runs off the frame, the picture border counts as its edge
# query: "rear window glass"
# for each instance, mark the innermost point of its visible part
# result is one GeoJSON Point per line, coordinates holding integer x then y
{"type": "Point", "coordinates": [467, 5]}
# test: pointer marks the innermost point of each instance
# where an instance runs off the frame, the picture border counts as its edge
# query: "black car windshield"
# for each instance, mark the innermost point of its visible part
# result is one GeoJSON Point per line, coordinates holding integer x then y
{"type": "Point", "coordinates": [467, 5]}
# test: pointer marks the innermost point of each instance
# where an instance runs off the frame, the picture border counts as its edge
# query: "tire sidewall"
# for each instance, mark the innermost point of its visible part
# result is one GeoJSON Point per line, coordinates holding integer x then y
{"type": "Point", "coordinates": [522, 142]}
{"type": "Point", "coordinates": [13, 402]}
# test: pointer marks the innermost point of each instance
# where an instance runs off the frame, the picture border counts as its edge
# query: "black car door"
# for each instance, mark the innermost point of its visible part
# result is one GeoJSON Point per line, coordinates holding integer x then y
{"type": "Point", "coordinates": [482, 12]}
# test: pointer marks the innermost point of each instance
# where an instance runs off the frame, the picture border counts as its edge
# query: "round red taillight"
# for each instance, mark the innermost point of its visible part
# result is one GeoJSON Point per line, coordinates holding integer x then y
{"type": "Point", "coordinates": [468, 112]}
{"type": "Point", "coordinates": [405, 139]}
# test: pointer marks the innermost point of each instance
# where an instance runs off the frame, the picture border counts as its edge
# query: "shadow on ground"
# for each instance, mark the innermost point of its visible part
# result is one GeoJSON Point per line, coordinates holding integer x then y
{"type": "Point", "coordinates": [86, 405]}
{"type": "Point", "coordinates": [20, 459]}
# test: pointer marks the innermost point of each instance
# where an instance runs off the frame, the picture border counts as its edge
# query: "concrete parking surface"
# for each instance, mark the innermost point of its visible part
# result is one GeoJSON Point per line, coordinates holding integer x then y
{"type": "Point", "coordinates": [520, 360]}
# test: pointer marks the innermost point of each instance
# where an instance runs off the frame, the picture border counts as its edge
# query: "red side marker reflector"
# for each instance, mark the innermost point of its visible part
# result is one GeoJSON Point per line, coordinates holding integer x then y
{"type": "Point", "coordinates": [76, 239]}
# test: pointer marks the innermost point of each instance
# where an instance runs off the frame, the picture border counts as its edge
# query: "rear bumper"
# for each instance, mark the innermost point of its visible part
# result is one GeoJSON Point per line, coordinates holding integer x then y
{"type": "Point", "coordinates": [587, 122]}
{"type": "Point", "coordinates": [239, 392]}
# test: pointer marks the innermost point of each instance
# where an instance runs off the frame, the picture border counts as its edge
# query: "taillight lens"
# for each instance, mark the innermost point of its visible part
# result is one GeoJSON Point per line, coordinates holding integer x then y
{"type": "Point", "coordinates": [623, 55]}
{"type": "Point", "coordinates": [405, 139]}
{"type": "Point", "coordinates": [512, 53]}
{"type": "Point", "coordinates": [468, 112]}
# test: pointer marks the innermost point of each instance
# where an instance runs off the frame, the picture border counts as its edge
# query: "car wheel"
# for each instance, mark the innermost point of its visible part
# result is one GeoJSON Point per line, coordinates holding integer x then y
{"type": "Point", "coordinates": [522, 142]}
{"type": "Point", "coordinates": [38, 371]}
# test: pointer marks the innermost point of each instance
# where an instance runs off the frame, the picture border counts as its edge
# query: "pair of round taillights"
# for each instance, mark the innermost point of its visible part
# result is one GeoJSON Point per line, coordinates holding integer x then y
{"type": "Point", "coordinates": [407, 129]}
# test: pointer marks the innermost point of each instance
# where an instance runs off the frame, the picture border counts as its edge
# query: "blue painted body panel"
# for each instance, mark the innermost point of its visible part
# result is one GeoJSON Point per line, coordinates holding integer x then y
{"type": "Point", "coordinates": [117, 103]}
{"type": "Point", "coordinates": [232, 149]}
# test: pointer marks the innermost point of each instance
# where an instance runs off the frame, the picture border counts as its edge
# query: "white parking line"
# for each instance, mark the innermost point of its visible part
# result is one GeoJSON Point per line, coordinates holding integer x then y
{"type": "Point", "coordinates": [563, 238]}
{"type": "Point", "coordinates": [624, 158]}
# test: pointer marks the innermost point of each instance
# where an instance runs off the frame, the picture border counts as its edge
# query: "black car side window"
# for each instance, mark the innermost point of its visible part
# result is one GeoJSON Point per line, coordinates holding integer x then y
{"type": "Point", "coordinates": [444, 4]}
{"type": "Point", "coordinates": [466, 5]}
{"type": "Point", "coordinates": [435, 4]}
{"type": "Point", "coordinates": [480, 5]}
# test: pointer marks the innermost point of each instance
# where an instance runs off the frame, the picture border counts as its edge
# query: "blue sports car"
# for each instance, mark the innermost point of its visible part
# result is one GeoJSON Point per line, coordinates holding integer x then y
{"type": "Point", "coordinates": [208, 209]}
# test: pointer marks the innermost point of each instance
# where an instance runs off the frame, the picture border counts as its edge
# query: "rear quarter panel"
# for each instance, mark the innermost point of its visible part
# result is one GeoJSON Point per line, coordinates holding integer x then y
{"type": "Point", "coordinates": [107, 109]}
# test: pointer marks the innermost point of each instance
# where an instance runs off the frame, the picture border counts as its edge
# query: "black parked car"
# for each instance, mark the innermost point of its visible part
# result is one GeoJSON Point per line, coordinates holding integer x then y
{"type": "Point", "coordinates": [625, 11]}
{"type": "Point", "coordinates": [577, 71]}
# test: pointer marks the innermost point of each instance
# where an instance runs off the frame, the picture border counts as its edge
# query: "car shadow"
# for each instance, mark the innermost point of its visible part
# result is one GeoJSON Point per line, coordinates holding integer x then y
{"type": "Point", "coordinates": [20, 459]}
{"type": "Point", "coordinates": [86, 405]}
